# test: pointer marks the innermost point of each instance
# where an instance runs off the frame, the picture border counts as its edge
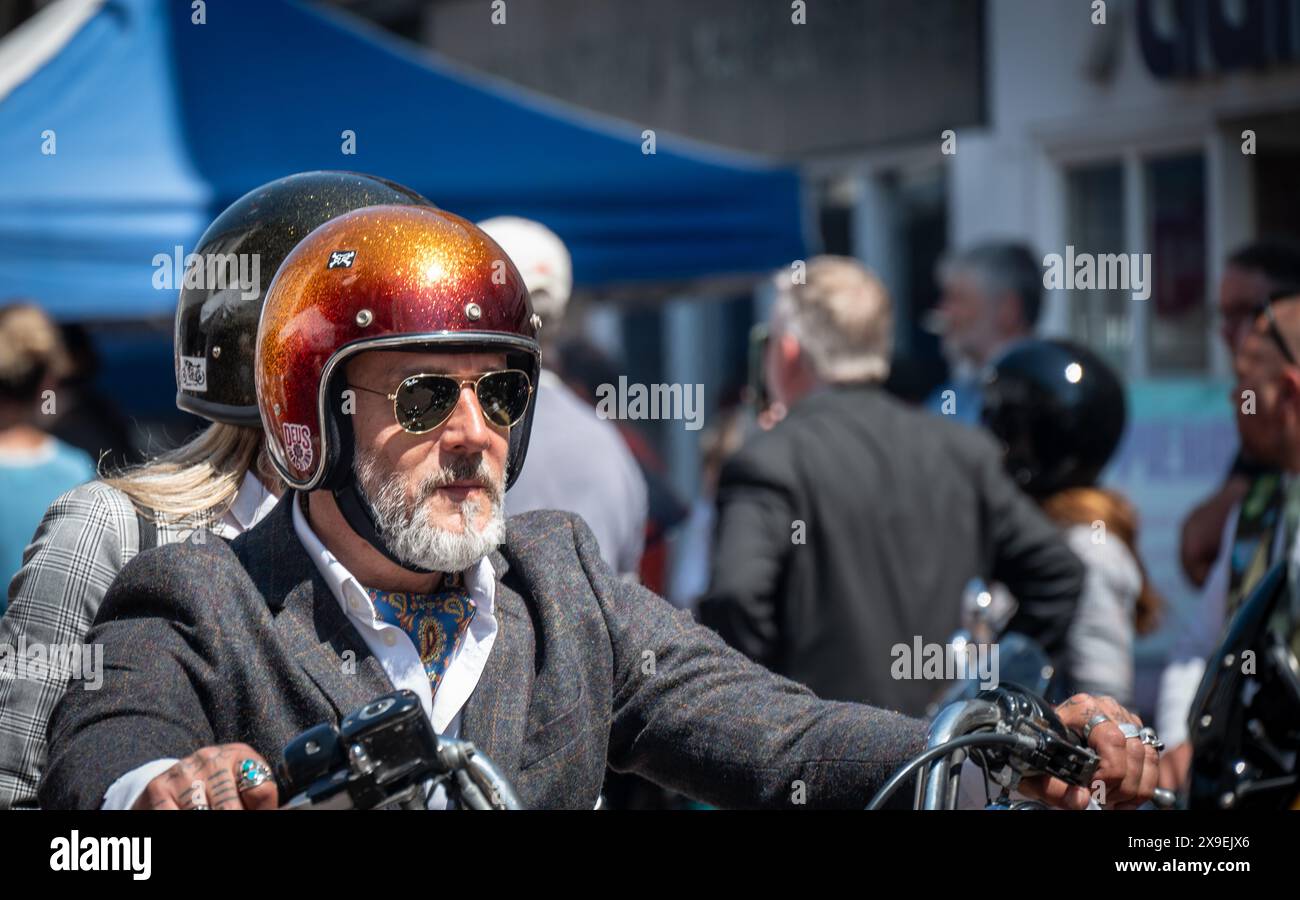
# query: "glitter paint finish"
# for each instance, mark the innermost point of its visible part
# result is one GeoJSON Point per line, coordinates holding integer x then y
{"type": "Point", "coordinates": [383, 274]}
{"type": "Point", "coordinates": [216, 324]}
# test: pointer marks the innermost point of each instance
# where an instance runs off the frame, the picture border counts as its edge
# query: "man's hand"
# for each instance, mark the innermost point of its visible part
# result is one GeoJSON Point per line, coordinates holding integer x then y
{"type": "Point", "coordinates": [209, 779]}
{"type": "Point", "coordinates": [1198, 545]}
{"type": "Point", "coordinates": [1129, 768]}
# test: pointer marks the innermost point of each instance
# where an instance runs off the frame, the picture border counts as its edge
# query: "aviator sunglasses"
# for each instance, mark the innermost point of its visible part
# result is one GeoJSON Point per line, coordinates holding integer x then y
{"type": "Point", "coordinates": [423, 402]}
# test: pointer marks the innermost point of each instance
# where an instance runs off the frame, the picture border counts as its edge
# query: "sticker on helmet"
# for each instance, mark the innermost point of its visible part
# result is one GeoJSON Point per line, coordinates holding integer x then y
{"type": "Point", "coordinates": [341, 259]}
{"type": "Point", "coordinates": [297, 446]}
{"type": "Point", "coordinates": [193, 374]}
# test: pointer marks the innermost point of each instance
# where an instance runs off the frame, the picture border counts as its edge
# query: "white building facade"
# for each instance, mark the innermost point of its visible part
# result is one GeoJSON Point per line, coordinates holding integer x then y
{"type": "Point", "coordinates": [1172, 129]}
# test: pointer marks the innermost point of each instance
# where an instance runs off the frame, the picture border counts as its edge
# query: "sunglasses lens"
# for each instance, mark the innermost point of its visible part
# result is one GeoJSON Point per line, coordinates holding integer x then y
{"type": "Point", "coordinates": [504, 396]}
{"type": "Point", "coordinates": [425, 401]}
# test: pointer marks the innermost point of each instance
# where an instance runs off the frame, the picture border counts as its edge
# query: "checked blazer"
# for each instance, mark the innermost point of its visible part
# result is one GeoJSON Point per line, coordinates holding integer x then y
{"type": "Point", "coordinates": [85, 538]}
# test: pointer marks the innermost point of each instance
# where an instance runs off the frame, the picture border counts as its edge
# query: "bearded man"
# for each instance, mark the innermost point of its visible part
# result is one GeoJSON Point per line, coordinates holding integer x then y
{"type": "Point", "coordinates": [395, 365]}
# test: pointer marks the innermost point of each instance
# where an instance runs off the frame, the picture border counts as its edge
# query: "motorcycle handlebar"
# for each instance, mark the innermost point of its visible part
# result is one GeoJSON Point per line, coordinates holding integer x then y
{"type": "Point", "coordinates": [1016, 731]}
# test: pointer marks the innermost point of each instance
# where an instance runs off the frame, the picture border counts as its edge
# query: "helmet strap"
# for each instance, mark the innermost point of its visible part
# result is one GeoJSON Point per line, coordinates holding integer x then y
{"type": "Point", "coordinates": [361, 519]}
{"type": "Point", "coordinates": [341, 481]}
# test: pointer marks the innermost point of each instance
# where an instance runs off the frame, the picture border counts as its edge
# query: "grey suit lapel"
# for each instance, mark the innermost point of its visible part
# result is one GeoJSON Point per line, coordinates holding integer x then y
{"type": "Point", "coordinates": [496, 714]}
{"type": "Point", "coordinates": [306, 614]}
{"type": "Point", "coordinates": [328, 647]}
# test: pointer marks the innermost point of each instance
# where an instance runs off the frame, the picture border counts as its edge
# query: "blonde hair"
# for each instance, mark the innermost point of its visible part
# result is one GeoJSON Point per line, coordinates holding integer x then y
{"type": "Point", "coordinates": [841, 315]}
{"type": "Point", "coordinates": [200, 478]}
{"type": "Point", "coordinates": [31, 349]}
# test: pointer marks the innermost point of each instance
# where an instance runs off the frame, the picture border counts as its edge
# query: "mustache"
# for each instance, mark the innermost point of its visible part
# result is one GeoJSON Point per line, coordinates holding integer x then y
{"type": "Point", "coordinates": [464, 469]}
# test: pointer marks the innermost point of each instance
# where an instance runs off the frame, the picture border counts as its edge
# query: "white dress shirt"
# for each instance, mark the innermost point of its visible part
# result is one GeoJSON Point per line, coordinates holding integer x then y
{"type": "Point", "coordinates": [251, 504]}
{"type": "Point", "coordinates": [391, 646]}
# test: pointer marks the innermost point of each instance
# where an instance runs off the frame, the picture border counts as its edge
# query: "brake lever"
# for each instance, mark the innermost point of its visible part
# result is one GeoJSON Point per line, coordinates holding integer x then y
{"type": "Point", "coordinates": [1061, 756]}
{"type": "Point", "coordinates": [1057, 750]}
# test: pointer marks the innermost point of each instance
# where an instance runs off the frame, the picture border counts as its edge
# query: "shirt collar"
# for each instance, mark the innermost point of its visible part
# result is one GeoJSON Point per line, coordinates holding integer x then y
{"type": "Point", "coordinates": [480, 579]}
{"type": "Point", "coordinates": [252, 502]}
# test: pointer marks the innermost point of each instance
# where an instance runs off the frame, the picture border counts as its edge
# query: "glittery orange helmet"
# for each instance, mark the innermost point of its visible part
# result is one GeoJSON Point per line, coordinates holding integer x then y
{"type": "Point", "coordinates": [380, 278]}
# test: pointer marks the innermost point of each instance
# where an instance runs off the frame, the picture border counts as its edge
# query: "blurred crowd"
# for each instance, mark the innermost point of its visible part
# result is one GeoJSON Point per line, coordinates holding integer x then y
{"type": "Point", "coordinates": [835, 522]}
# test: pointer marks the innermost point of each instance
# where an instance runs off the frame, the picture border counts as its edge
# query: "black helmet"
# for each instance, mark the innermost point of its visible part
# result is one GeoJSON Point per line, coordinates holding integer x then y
{"type": "Point", "coordinates": [1059, 411]}
{"type": "Point", "coordinates": [216, 318]}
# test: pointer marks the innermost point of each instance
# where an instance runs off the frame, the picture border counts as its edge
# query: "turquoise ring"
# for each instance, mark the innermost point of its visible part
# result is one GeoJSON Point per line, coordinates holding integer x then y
{"type": "Point", "coordinates": [252, 774]}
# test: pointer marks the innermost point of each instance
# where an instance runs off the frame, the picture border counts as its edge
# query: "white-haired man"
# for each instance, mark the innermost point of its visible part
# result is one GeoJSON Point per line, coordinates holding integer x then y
{"type": "Point", "coordinates": [854, 525]}
{"type": "Point", "coordinates": [585, 467]}
{"type": "Point", "coordinates": [992, 293]}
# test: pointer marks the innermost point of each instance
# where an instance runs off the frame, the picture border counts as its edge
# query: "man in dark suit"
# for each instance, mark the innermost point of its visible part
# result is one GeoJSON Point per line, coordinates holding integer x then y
{"type": "Point", "coordinates": [393, 366]}
{"type": "Point", "coordinates": [853, 526]}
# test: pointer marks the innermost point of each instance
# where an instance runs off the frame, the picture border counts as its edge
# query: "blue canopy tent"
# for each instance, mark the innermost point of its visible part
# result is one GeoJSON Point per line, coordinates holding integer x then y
{"type": "Point", "coordinates": [155, 123]}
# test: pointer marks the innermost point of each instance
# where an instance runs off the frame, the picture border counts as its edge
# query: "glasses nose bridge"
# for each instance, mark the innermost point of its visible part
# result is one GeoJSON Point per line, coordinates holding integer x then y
{"type": "Point", "coordinates": [478, 418]}
{"type": "Point", "coordinates": [471, 383]}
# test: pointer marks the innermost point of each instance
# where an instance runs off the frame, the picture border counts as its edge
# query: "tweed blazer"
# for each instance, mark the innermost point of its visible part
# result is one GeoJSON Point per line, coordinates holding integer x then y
{"type": "Point", "coordinates": [215, 643]}
{"type": "Point", "coordinates": [85, 538]}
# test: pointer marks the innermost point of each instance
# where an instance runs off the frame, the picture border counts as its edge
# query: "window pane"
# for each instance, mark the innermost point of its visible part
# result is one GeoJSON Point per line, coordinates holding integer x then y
{"type": "Point", "coordinates": [1179, 314]}
{"type": "Point", "coordinates": [1099, 319]}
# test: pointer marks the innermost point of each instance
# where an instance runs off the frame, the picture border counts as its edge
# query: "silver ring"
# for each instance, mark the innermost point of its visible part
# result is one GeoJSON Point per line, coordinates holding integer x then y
{"type": "Point", "coordinates": [1096, 720]}
{"type": "Point", "coordinates": [201, 807]}
{"type": "Point", "coordinates": [252, 774]}
{"type": "Point", "coordinates": [1151, 739]}
{"type": "Point", "coordinates": [1130, 731]}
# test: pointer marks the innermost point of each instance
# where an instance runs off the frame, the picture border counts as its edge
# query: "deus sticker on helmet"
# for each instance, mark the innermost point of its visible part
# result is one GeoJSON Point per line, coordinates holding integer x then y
{"type": "Point", "coordinates": [297, 445]}
{"type": "Point", "coordinates": [341, 259]}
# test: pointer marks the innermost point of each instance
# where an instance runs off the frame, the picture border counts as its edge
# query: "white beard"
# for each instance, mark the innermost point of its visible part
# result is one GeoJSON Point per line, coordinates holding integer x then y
{"type": "Point", "coordinates": [405, 526]}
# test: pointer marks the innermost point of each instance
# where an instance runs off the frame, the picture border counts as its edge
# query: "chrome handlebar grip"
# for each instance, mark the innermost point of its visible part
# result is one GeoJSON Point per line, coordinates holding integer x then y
{"type": "Point", "coordinates": [939, 785]}
{"type": "Point", "coordinates": [482, 786]}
